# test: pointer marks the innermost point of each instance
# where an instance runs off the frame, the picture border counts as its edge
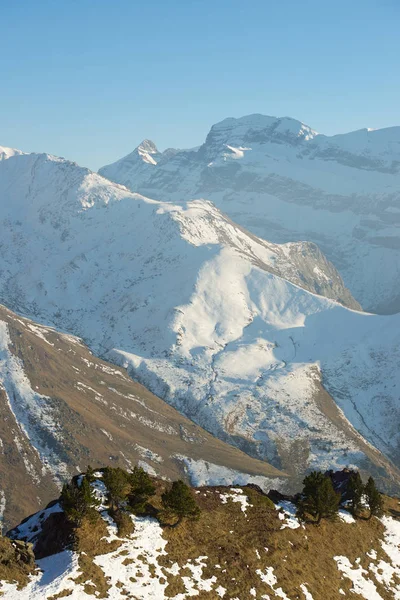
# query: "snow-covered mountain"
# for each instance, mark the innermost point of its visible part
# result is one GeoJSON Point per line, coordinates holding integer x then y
{"type": "Point", "coordinates": [284, 182]}
{"type": "Point", "coordinates": [63, 408]}
{"type": "Point", "coordinates": [225, 326]}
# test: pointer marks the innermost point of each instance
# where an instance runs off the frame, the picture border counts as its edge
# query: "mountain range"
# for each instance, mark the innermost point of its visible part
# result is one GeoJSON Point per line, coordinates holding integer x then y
{"type": "Point", "coordinates": [285, 182]}
{"type": "Point", "coordinates": [259, 343]}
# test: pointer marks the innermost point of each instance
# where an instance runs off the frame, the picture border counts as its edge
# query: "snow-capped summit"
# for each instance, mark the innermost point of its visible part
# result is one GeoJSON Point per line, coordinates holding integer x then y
{"type": "Point", "coordinates": [284, 182]}
{"type": "Point", "coordinates": [8, 152]}
{"type": "Point", "coordinates": [133, 166]}
{"type": "Point", "coordinates": [257, 129]}
{"type": "Point", "coordinates": [146, 150]}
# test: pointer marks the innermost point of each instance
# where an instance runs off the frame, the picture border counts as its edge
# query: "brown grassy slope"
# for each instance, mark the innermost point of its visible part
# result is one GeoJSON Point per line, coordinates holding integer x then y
{"type": "Point", "coordinates": [17, 562]}
{"type": "Point", "coordinates": [105, 418]}
{"type": "Point", "coordinates": [240, 544]}
{"type": "Point", "coordinates": [236, 546]}
{"type": "Point", "coordinates": [234, 549]}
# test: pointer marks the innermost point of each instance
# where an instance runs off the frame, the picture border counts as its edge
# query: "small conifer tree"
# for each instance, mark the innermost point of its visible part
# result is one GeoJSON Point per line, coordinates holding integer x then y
{"type": "Point", "coordinates": [89, 475]}
{"type": "Point", "coordinates": [142, 488]}
{"type": "Point", "coordinates": [118, 485]}
{"type": "Point", "coordinates": [374, 499]}
{"type": "Point", "coordinates": [179, 502]}
{"type": "Point", "coordinates": [79, 501]}
{"type": "Point", "coordinates": [319, 497]}
{"type": "Point", "coordinates": [355, 490]}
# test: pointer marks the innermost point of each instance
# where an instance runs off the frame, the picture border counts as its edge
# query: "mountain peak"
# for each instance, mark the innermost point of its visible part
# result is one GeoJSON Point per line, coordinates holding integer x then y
{"type": "Point", "coordinates": [258, 128]}
{"type": "Point", "coordinates": [146, 150]}
{"type": "Point", "coordinates": [8, 152]}
{"type": "Point", "coordinates": [148, 146]}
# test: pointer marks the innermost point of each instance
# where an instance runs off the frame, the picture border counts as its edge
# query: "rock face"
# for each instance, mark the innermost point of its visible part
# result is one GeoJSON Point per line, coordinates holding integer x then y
{"type": "Point", "coordinates": [284, 182]}
{"type": "Point", "coordinates": [224, 326]}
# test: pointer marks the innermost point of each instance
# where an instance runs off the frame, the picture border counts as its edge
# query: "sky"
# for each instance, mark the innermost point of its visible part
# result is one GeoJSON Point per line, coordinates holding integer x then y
{"type": "Point", "coordinates": [89, 79]}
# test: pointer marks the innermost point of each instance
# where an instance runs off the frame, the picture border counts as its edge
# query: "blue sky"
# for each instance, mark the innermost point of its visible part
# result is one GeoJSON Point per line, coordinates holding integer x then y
{"type": "Point", "coordinates": [89, 79]}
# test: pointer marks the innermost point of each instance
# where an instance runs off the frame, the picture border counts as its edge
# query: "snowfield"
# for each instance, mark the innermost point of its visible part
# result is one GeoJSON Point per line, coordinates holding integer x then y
{"type": "Point", "coordinates": [225, 326]}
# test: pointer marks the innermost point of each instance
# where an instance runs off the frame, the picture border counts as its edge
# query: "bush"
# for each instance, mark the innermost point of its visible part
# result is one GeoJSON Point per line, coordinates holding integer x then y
{"type": "Point", "coordinates": [374, 499]}
{"type": "Point", "coordinates": [355, 490]}
{"type": "Point", "coordinates": [179, 502]}
{"type": "Point", "coordinates": [123, 522]}
{"type": "Point", "coordinates": [79, 501]}
{"type": "Point", "coordinates": [319, 498]}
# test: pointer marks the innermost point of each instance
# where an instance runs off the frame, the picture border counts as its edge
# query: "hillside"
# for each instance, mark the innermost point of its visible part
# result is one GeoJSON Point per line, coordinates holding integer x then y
{"type": "Point", "coordinates": [285, 182]}
{"type": "Point", "coordinates": [243, 546]}
{"type": "Point", "coordinates": [62, 408]}
{"type": "Point", "coordinates": [224, 326]}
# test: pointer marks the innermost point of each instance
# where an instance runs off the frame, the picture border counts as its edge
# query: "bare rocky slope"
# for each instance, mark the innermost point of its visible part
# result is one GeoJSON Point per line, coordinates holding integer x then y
{"type": "Point", "coordinates": [285, 182]}
{"type": "Point", "coordinates": [226, 327]}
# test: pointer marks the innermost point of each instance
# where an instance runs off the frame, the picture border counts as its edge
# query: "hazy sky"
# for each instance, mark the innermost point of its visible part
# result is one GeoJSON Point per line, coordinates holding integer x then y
{"type": "Point", "coordinates": [89, 79]}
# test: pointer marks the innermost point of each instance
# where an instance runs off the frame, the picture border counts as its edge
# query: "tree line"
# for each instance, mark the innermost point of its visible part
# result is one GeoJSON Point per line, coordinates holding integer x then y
{"type": "Point", "coordinates": [126, 493]}
{"type": "Point", "coordinates": [132, 492]}
{"type": "Point", "coordinates": [319, 498]}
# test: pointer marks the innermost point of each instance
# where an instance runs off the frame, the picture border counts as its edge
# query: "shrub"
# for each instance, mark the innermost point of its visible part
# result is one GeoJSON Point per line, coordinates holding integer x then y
{"type": "Point", "coordinates": [374, 499]}
{"type": "Point", "coordinates": [123, 521]}
{"type": "Point", "coordinates": [319, 498]}
{"type": "Point", "coordinates": [79, 501]}
{"type": "Point", "coordinates": [355, 490]}
{"type": "Point", "coordinates": [179, 502]}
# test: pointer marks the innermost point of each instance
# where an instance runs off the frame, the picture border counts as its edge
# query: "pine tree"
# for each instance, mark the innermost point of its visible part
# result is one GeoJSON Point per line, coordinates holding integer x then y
{"type": "Point", "coordinates": [89, 475]}
{"type": "Point", "coordinates": [319, 497]}
{"type": "Point", "coordinates": [374, 499]}
{"type": "Point", "coordinates": [142, 488]}
{"type": "Point", "coordinates": [79, 501]}
{"type": "Point", "coordinates": [355, 490]}
{"type": "Point", "coordinates": [179, 502]}
{"type": "Point", "coordinates": [118, 486]}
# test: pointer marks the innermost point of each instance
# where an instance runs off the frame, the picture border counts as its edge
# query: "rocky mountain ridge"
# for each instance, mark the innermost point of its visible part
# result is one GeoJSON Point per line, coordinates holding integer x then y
{"type": "Point", "coordinates": [224, 326]}
{"type": "Point", "coordinates": [284, 182]}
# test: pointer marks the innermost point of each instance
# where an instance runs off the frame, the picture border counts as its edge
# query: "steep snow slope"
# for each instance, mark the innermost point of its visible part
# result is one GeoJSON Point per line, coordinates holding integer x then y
{"type": "Point", "coordinates": [204, 314]}
{"type": "Point", "coordinates": [284, 182]}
